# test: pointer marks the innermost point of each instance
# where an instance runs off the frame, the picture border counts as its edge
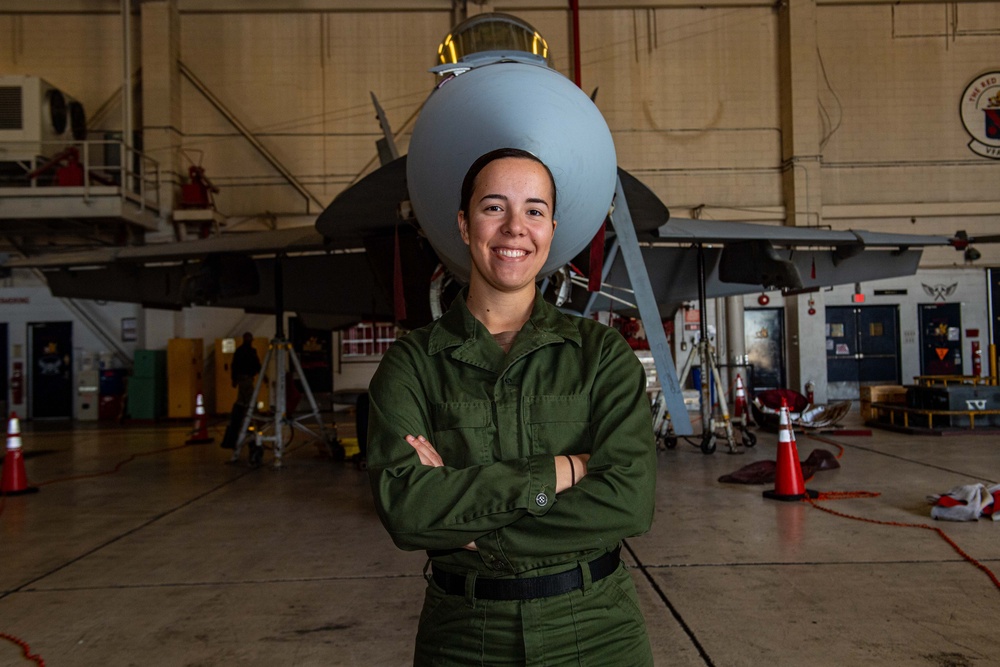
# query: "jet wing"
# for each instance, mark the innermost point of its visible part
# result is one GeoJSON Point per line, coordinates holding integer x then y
{"type": "Point", "coordinates": [284, 241]}
{"type": "Point", "coordinates": [649, 214]}
{"type": "Point", "coordinates": [743, 258]}
{"type": "Point", "coordinates": [683, 230]}
{"type": "Point", "coordinates": [238, 271]}
{"type": "Point", "coordinates": [372, 205]}
{"type": "Point", "coordinates": [673, 274]}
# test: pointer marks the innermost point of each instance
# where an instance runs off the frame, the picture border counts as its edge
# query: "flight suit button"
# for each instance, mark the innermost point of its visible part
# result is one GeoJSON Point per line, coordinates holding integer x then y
{"type": "Point", "coordinates": [508, 381]}
{"type": "Point", "coordinates": [541, 500]}
{"type": "Point", "coordinates": [500, 565]}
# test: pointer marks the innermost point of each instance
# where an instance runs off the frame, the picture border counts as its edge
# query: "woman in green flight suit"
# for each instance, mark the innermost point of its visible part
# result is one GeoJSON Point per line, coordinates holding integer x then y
{"type": "Point", "coordinates": [514, 443]}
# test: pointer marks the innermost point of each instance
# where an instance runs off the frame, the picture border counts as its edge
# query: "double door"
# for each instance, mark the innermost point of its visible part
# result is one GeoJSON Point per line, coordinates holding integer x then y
{"type": "Point", "coordinates": [862, 348]}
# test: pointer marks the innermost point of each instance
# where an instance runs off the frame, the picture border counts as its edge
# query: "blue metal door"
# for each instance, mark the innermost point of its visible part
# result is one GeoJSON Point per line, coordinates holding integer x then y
{"type": "Point", "coordinates": [764, 337]}
{"type": "Point", "coordinates": [940, 339]}
{"type": "Point", "coordinates": [862, 348]}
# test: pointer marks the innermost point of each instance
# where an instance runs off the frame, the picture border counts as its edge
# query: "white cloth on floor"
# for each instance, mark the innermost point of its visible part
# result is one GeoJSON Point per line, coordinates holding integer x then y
{"type": "Point", "coordinates": [966, 503]}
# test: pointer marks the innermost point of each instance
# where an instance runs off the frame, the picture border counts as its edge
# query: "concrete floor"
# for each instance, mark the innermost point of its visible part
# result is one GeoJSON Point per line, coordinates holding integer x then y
{"type": "Point", "coordinates": [138, 550]}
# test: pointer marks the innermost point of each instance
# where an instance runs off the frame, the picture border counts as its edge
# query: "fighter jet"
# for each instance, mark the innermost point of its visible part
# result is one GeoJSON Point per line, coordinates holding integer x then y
{"type": "Point", "coordinates": [388, 248]}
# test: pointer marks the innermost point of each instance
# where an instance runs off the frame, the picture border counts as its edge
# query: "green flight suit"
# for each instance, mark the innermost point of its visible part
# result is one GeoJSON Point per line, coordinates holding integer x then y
{"type": "Point", "coordinates": [568, 385]}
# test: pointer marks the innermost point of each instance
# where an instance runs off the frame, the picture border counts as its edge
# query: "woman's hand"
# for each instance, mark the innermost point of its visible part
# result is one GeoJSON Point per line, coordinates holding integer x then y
{"type": "Point", "coordinates": [425, 450]}
{"type": "Point", "coordinates": [567, 476]}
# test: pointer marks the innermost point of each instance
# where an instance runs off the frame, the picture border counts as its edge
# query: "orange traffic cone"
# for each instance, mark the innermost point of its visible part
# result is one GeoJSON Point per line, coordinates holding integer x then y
{"type": "Point", "coordinates": [15, 481]}
{"type": "Point", "coordinates": [788, 482]}
{"type": "Point", "coordinates": [740, 404]}
{"type": "Point", "coordinates": [199, 435]}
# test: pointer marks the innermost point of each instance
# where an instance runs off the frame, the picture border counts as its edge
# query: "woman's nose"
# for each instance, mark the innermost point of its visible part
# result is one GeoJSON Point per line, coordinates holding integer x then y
{"type": "Point", "coordinates": [514, 225]}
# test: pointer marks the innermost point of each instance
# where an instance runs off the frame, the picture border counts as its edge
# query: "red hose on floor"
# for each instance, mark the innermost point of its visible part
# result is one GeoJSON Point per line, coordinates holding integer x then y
{"type": "Point", "coordinates": [25, 649]}
{"type": "Point", "coordinates": [113, 470]}
{"type": "Point", "coordinates": [839, 495]}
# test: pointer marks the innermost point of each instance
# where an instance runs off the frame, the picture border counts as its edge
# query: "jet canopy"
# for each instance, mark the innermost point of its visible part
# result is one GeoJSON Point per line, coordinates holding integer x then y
{"type": "Point", "coordinates": [491, 32]}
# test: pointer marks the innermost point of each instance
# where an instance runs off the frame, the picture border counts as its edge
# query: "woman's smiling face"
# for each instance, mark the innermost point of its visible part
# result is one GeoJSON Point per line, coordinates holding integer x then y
{"type": "Point", "coordinates": [508, 226]}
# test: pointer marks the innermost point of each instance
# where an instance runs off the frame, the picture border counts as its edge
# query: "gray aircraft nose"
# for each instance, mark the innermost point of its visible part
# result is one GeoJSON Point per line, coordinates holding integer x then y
{"type": "Point", "coordinates": [508, 104]}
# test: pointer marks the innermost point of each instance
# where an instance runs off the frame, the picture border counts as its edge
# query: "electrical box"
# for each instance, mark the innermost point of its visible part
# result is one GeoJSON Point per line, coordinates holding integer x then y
{"type": "Point", "coordinates": [87, 394]}
{"type": "Point", "coordinates": [185, 367]}
{"type": "Point", "coordinates": [225, 392]}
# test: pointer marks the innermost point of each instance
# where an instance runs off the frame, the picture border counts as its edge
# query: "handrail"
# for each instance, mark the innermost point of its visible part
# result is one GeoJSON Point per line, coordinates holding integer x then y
{"type": "Point", "coordinates": [137, 176]}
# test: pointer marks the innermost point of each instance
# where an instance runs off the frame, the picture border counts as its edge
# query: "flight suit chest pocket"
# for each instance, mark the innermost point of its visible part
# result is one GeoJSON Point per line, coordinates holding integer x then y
{"type": "Point", "coordinates": [559, 424]}
{"type": "Point", "coordinates": [463, 432]}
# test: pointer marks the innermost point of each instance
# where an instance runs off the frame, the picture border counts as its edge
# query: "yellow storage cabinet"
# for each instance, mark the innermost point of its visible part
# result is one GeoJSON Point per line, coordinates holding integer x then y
{"type": "Point", "coordinates": [185, 368]}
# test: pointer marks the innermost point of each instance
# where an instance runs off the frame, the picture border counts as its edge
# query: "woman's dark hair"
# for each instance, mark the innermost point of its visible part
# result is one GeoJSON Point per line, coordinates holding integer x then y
{"type": "Point", "coordinates": [469, 183]}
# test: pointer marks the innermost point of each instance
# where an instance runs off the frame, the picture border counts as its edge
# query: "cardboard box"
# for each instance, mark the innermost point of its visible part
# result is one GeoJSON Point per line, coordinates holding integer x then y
{"type": "Point", "coordinates": [884, 393]}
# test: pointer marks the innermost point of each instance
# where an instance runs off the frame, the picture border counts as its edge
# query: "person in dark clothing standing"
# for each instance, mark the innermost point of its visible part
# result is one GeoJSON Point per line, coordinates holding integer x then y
{"type": "Point", "coordinates": [243, 370]}
{"type": "Point", "coordinates": [245, 367]}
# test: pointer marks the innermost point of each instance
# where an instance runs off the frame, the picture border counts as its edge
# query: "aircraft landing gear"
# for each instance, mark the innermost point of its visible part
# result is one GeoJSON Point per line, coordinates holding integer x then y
{"type": "Point", "coordinates": [713, 427]}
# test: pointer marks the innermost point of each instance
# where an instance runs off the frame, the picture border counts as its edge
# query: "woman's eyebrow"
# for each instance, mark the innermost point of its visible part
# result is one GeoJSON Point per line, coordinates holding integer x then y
{"type": "Point", "coordinates": [530, 200]}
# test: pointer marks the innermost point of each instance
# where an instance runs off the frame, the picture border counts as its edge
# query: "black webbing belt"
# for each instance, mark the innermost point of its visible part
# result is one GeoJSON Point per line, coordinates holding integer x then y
{"type": "Point", "coordinates": [530, 588]}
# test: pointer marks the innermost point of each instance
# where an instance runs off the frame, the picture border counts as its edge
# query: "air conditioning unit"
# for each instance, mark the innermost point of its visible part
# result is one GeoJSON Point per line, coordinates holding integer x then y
{"type": "Point", "coordinates": [36, 118]}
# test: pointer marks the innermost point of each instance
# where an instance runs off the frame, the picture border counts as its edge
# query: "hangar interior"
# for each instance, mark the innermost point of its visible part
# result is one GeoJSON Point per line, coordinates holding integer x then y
{"type": "Point", "coordinates": [246, 117]}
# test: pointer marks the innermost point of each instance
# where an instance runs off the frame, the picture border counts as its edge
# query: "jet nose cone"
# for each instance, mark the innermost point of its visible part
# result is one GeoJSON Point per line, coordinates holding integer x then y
{"type": "Point", "coordinates": [520, 106]}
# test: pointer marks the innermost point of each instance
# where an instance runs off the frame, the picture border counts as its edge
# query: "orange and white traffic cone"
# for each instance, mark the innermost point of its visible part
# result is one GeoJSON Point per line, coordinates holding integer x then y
{"type": "Point", "coordinates": [199, 435]}
{"type": "Point", "coordinates": [740, 408]}
{"type": "Point", "coordinates": [15, 481]}
{"type": "Point", "coordinates": [788, 481]}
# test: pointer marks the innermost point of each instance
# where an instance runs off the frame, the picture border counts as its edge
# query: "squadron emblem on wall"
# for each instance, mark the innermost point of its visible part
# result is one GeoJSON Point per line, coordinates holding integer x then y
{"type": "Point", "coordinates": [980, 111]}
{"type": "Point", "coordinates": [939, 292]}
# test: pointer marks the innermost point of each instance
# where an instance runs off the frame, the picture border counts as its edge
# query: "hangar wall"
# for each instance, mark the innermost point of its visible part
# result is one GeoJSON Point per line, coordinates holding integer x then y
{"type": "Point", "coordinates": [692, 95]}
{"type": "Point", "coordinates": [966, 287]}
{"type": "Point", "coordinates": [98, 340]}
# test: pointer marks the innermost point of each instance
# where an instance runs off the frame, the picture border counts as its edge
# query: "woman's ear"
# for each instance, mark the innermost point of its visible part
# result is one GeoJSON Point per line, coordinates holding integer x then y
{"type": "Point", "coordinates": [463, 227]}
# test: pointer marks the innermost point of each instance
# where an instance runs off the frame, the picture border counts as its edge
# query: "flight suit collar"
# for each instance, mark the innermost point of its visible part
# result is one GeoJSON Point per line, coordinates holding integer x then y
{"type": "Point", "coordinates": [459, 330]}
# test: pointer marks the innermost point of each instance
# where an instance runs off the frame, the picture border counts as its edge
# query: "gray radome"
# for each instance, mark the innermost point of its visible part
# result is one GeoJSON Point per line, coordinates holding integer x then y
{"type": "Point", "coordinates": [520, 106]}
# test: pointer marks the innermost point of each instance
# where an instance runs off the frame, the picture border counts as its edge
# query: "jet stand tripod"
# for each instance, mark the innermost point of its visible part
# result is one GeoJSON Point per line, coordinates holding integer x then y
{"type": "Point", "coordinates": [282, 351]}
{"type": "Point", "coordinates": [704, 353]}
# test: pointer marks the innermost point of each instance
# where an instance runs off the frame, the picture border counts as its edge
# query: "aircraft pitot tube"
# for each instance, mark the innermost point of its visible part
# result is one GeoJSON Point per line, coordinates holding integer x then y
{"type": "Point", "coordinates": [518, 105]}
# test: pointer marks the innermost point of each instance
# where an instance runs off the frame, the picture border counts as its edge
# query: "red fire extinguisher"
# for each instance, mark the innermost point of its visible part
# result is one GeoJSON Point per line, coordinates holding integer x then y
{"type": "Point", "coordinates": [810, 392]}
{"type": "Point", "coordinates": [17, 383]}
